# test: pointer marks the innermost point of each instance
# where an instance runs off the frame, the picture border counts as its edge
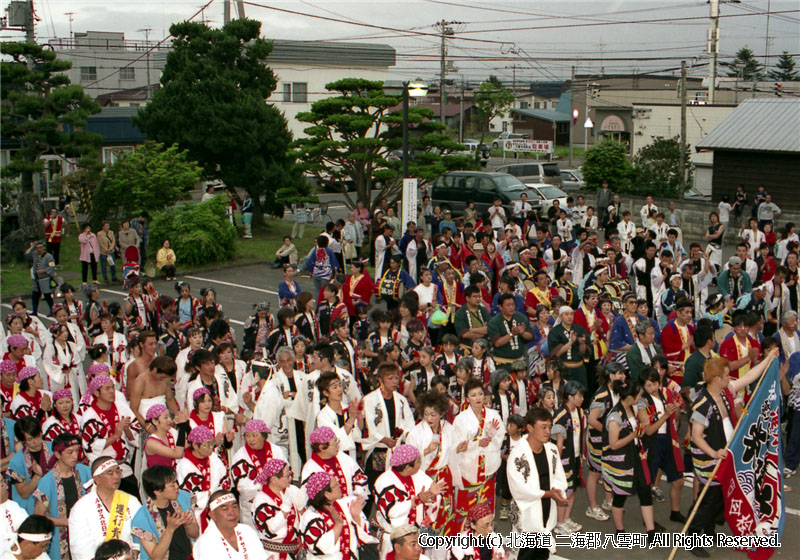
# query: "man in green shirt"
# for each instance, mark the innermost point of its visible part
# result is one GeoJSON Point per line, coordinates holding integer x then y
{"type": "Point", "coordinates": [567, 341]}
{"type": "Point", "coordinates": [693, 368]}
{"type": "Point", "coordinates": [641, 353]}
{"type": "Point", "coordinates": [471, 320]}
{"type": "Point", "coordinates": [509, 332]}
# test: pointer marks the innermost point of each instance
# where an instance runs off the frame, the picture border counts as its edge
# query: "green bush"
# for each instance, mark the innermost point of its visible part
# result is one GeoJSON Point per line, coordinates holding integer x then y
{"type": "Point", "coordinates": [198, 233]}
{"type": "Point", "coordinates": [607, 161]}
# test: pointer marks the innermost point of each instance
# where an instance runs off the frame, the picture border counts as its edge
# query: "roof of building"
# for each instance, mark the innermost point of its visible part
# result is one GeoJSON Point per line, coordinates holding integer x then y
{"type": "Point", "coordinates": [115, 126]}
{"type": "Point", "coordinates": [132, 94]}
{"type": "Point", "coordinates": [550, 90]}
{"type": "Point", "coordinates": [450, 109]}
{"type": "Point", "coordinates": [759, 125]}
{"type": "Point", "coordinates": [331, 54]}
{"type": "Point", "coordinates": [544, 114]}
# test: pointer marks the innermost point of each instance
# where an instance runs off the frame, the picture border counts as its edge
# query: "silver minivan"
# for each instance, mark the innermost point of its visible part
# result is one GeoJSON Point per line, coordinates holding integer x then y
{"type": "Point", "coordinates": [534, 172]}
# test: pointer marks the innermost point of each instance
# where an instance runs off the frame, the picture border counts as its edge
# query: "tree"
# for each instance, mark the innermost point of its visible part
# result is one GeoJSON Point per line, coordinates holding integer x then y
{"type": "Point", "coordinates": [784, 69]}
{"type": "Point", "coordinates": [607, 161]}
{"type": "Point", "coordinates": [492, 100]}
{"type": "Point", "coordinates": [148, 178]}
{"type": "Point", "coordinates": [745, 66]}
{"type": "Point", "coordinates": [43, 113]}
{"type": "Point", "coordinates": [657, 168]}
{"type": "Point", "coordinates": [212, 102]}
{"type": "Point", "coordinates": [352, 135]}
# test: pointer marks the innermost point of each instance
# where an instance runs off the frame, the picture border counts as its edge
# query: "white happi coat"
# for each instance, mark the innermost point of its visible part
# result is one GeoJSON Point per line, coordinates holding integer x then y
{"type": "Point", "coordinates": [421, 437]}
{"type": "Point", "coordinates": [211, 545]}
{"type": "Point", "coordinates": [318, 538]}
{"type": "Point", "coordinates": [227, 396]}
{"type": "Point", "coordinates": [117, 349]}
{"type": "Point", "coordinates": [376, 421]}
{"type": "Point", "coordinates": [270, 407]}
{"type": "Point", "coordinates": [267, 516]}
{"type": "Point", "coordinates": [355, 477]}
{"type": "Point", "coordinates": [347, 442]}
{"type": "Point", "coordinates": [34, 345]}
{"type": "Point", "coordinates": [395, 504]}
{"type": "Point", "coordinates": [94, 433]}
{"type": "Point", "coordinates": [467, 428]}
{"type": "Point", "coordinates": [292, 407]}
{"type": "Point", "coordinates": [86, 521]}
{"type": "Point", "coordinates": [244, 381]}
{"type": "Point", "coordinates": [11, 515]}
{"type": "Point", "coordinates": [55, 359]}
{"type": "Point", "coordinates": [189, 476]}
{"type": "Point", "coordinates": [523, 481]}
{"type": "Point", "coordinates": [243, 475]}
{"type": "Point", "coordinates": [308, 399]}
{"type": "Point", "coordinates": [627, 231]}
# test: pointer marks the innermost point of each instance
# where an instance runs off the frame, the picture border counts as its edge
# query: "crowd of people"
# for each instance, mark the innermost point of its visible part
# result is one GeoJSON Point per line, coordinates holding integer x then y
{"type": "Point", "coordinates": [488, 366]}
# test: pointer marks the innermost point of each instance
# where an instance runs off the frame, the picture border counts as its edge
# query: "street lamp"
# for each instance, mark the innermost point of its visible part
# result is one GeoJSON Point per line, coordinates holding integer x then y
{"type": "Point", "coordinates": [409, 90]}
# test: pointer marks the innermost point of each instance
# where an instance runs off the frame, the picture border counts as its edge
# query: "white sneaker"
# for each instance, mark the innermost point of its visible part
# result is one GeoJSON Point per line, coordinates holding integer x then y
{"type": "Point", "coordinates": [561, 529]}
{"type": "Point", "coordinates": [596, 513]}
{"type": "Point", "coordinates": [573, 526]}
{"type": "Point", "coordinates": [607, 505]}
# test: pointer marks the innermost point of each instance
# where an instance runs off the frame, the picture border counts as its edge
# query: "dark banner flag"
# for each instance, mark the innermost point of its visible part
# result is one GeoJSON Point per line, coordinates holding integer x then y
{"type": "Point", "coordinates": [751, 475]}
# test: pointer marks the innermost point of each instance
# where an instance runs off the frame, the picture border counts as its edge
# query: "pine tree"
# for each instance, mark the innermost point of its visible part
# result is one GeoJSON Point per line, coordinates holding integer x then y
{"type": "Point", "coordinates": [745, 66]}
{"type": "Point", "coordinates": [784, 69]}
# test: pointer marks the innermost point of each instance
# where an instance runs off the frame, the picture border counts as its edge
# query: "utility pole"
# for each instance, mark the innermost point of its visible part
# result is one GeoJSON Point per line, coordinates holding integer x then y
{"type": "Point", "coordinates": [586, 115]}
{"type": "Point", "coordinates": [713, 49]}
{"type": "Point", "coordinates": [147, 31]}
{"type": "Point", "coordinates": [226, 12]}
{"type": "Point", "coordinates": [30, 35]}
{"type": "Point", "coordinates": [572, 117]}
{"type": "Point", "coordinates": [766, 39]}
{"type": "Point", "coordinates": [446, 31]}
{"type": "Point", "coordinates": [71, 16]}
{"type": "Point", "coordinates": [240, 8]}
{"type": "Point", "coordinates": [461, 114]}
{"type": "Point", "coordinates": [682, 164]}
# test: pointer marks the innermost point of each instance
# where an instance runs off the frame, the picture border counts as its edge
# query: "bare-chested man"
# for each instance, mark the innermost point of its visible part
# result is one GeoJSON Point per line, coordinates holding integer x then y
{"type": "Point", "coordinates": [154, 386]}
{"type": "Point", "coordinates": [146, 345]}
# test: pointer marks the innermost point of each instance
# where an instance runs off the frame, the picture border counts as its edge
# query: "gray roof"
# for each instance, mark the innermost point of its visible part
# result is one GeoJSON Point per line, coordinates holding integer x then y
{"type": "Point", "coordinates": [758, 125]}
{"type": "Point", "coordinates": [332, 53]}
{"type": "Point", "coordinates": [544, 114]}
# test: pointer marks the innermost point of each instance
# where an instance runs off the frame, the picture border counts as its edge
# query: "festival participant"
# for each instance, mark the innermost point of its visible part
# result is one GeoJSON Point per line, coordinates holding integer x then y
{"type": "Point", "coordinates": [677, 339]}
{"type": "Point", "coordinates": [405, 495]}
{"type": "Point", "coordinates": [479, 434]}
{"type": "Point", "coordinates": [153, 386]}
{"type": "Point", "coordinates": [11, 516]}
{"type": "Point", "coordinates": [203, 414]}
{"type": "Point", "coordinates": [145, 347]}
{"type": "Point", "coordinates": [32, 539]}
{"type": "Point", "coordinates": [357, 288]}
{"type": "Point", "coordinates": [248, 461]}
{"type": "Point", "coordinates": [569, 427]}
{"type": "Point", "coordinates": [274, 513]}
{"type": "Point", "coordinates": [659, 411]}
{"type": "Point", "coordinates": [225, 537]}
{"type": "Point", "coordinates": [480, 521]}
{"type": "Point", "coordinates": [108, 430]}
{"type": "Point", "coordinates": [28, 465]}
{"type": "Point", "coordinates": [641, 353]}
{"type": "Point", "coordinates": [288, 382]}
{"type": "Point", "coordinates": [33, 328]}
{"type": "Point", "coordinates": [22, 355]}
{"type": "Point", "coordinates": [139, 306]}
{"type": "Point", "coordinates": [508, 332]}
{"type": "Point", "coordinates": [347, 422]}
{"type": "Point", "coordinates": [712, 423]}
{"type": "Point", "coordinates": [115, 343]}
{"type": "Point", "coordinates": [31, 400]}
{"type": "Point", "coordinates": [241, 381]}
{"type": "Point", "coordinates": [332, 527]}
{"type": "Point", "coordinates": [200, 471]}
{"type": "Point", "coordinates": [8, 379]}
{"type": "Point", "coordinates": [223, 396]}
{"type": "Point", "coordinates": [63, 419]}
{"type": "Point", "coordinates": [165, 524]}
{"type": "Point", "coordinates": [594, 323]}
{"type": "Point", "coordinates": [59, 490]}
{"type": "Point", "coordinates": [537, 481]}
{"type": "Point", "coordinates": [327, 457]}
{"type": "Point", "coordinates": [570, 343]}
{"type": "Point", "coordinates": [104, 513]}
{"type": "Point", "coordinates": [741, 350]}
{"type": "Point", "coordinates": [540, 294]}
{"type": "Point", "coordinates": [388, 418]}
{"type": "Point", "coordinates": [62, 362]}
{"type": "Point", "coordinates": [388, 284]}
{"type": "Point", "coordinates": [434, 437]}
{"type": "Point", "coordinates": [163, 447]}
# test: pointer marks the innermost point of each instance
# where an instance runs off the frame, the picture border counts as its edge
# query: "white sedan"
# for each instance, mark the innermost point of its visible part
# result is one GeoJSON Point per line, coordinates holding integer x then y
{"type": "Point", "coordinates": [546, 194]}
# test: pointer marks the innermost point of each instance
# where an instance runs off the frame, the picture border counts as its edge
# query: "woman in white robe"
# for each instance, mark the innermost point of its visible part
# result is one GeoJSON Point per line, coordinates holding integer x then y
{"type": "Point", "coordinates": [63, 364]}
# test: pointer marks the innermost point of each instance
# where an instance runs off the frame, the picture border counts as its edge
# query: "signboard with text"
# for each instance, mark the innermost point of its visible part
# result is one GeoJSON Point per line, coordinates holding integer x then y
{"type": "Point", "coordinates": [409, 210]}
{"type": "Point", "coordinates": [525, 145]}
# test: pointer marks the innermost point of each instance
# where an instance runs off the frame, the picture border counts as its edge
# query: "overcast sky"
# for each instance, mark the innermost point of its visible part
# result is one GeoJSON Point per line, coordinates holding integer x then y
{"type": "Point", "coordinates": [490, 37]}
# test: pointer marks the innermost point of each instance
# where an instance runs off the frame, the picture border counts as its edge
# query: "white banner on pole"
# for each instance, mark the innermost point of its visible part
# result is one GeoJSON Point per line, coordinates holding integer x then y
{"type": "Point", "coordinates": [525, 145]}
{"type": "Point", "coordinates": [409, 212]}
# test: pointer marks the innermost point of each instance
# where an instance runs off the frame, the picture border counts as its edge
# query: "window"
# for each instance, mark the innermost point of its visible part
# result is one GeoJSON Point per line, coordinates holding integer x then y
{"type": "Point", "coordinates": [127, 73]}
{"type": "Point", "coordinates": [111, 155]}
{"type": "Point", "coordinates": [524, 104]}
{"type": "Point", "coordinates": [295, 92]}
{"type": "Point", "coordinates": [535, 104]}
{"type": "Point", "coordinates": [562, 128]}
{"type": "Point", "coordinates": [88, 73]}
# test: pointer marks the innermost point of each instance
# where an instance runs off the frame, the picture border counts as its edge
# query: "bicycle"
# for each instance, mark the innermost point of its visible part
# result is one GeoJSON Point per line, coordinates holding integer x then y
{"type": "Point", "coordinates": [319, 214]}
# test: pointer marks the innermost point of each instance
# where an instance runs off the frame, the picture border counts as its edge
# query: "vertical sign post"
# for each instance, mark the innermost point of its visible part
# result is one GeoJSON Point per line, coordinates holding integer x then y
{"type": "Point", "coordinates": [409, 212]}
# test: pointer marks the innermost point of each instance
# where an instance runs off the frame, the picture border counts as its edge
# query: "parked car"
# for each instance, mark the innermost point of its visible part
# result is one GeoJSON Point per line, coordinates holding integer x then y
{"type": "Point", "coordinates": [543, 195]}
{"type": "Point", "coordinates": [452, 190]}
{"type": "Point", "coordinates": [498, 142]}
{"type": "Point", "coordinates": [571, 180]}
{"type": "Point", "coordinates": [473, 146]}
{"type": "Point", "coordinates": [534, 172]}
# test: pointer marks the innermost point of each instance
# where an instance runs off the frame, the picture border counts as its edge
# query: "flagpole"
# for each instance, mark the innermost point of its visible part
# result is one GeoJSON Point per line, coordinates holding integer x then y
{"type": "Point", "coordinates": [719, 462]}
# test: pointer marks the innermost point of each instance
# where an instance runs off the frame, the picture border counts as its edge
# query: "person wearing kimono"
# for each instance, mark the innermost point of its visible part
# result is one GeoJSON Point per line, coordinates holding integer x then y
{"type": "Point", "coordinates": [63, 364]}
{"type": "Point", "coordinates": [479, 434]}
{"type": "Point", "coordinates": [275, 512]}
{"type": "Point", "coordinates": [326, 456]}
{"type": "Point", "coordinates": [358, 287]}
{"type": "Point", "coordinates": [28, 465]}
{"type": "Point", "coordinates": [200, 471]}
{"type": "Point", "coordinates": [284, 334]}
{"type": "Point", "coordinates": [115, 343]}
{"type": "Point", "coordinates": [537, 482]}
{"type": "Point", "coordinates": [569, 433]}
{"type": "Point", "coordinates": [215, 381]}
{"type": "Point", "coordinates": [677, 339]}
{"type": "Point", "coordinates": [52, 496]}
{"type": "Point", "coordinates": [332, 527]}
{"type": "Point", "coordinates": [346, 422]}
{"type": "Point", "coordinates": [74, 331]}
{"type": "Point", "coordinates": [225, 537]}
{"type": "Point", "coordinates": [102, 514]}
{"type": "Point", "coordinates": [405, 495]}
{"type": "Point", "coordinates": [30, 400]}
{"type": "Point", "coordinates": [387, 419]}
{"type": "Point", "coordinates": [248, 461]}
{"type": "Point", "coordinates": [11, 516]}
{"type": "Point", "coordinates": [61, 420]}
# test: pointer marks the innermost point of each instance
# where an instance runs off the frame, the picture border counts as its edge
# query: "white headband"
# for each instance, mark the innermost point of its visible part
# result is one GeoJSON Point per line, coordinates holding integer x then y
{"type": "Point", "coordinates": [108, 465]}
{"type": "Point", "coordinates": [563, 309]}
{"type": "Point", "coordinates": [221, 501]}
{"type": "Point", "coordinates": [34, 537]}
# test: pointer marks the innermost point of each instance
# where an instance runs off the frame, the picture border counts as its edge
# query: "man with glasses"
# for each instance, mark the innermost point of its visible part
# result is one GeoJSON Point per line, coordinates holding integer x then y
{"type": "Point", "coordinates": [225, 537]}
{"type": "Point", "coordinates": [104, 513]}
{"type": "Point", "coordinates": [677, 339]}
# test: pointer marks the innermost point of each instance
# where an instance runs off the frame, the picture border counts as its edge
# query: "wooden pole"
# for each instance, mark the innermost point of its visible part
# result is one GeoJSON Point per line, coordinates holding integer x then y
{"type": "Point", "coordinates": [716, 467]}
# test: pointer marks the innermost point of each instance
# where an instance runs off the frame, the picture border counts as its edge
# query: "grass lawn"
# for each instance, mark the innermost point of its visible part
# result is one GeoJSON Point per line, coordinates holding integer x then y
{"type": "Point", "coordinates": [15, 278]}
